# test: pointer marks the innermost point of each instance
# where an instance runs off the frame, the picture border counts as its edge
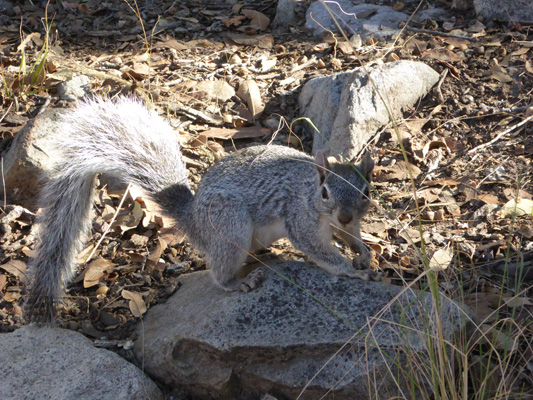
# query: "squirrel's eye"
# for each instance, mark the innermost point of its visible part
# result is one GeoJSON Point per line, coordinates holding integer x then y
{"type": "Point", "coordinates": [325, 194]}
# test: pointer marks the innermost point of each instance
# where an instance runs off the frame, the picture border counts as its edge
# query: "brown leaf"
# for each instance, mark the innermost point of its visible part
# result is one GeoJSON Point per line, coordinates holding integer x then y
{"type": "Point", "coordinates": [511, 193]}
{"type": "Point", "coordinates": [345, 47]}
{"type": "Point", "coordinates": [3, 281]}
{"type": "Point", "coordinates": [265, 41]}
{"type": "Point", "coordinates": [238, 133]}
{"type": "Point", "coordinates": [249, 92]}
{"type": "Point", "coordinates": [444, 182]}
{"type": "Point", "coordinates": [441, 259]}
{"type": "Point", "coordinates": [441, 55]}
{"type": "Point", "coordinates": [136, 303]}
{"type": "Point", "coordinates": [397, 172]}
{"type": "Point", "coordinates": [131, 220]}
{"type": "Point", "coordinates": [96, 270]}
{"type": "Point", "coordinates": [152, 261]}
{"type": "Point", "coordinates": [258, 19]}
{"type": "Point", "coordinates": [171, 44]}
{"type": "Point", "coordinates": [16, 268]}
{"type": "Point", "coordinates": [484, 305]}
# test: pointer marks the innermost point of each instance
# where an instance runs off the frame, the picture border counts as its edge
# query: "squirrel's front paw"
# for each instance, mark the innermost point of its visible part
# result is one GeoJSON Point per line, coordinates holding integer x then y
{"type": "Point", "coordinates": [362, 261]}
{"type": "Point", "coordinates": [368, 275]}
{"type": "Point", "coordinates": [252, 281]}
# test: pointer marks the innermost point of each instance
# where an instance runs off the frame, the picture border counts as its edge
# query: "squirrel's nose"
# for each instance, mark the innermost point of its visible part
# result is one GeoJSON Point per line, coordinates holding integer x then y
{"type": "Point", "coordinates": [345, 217]}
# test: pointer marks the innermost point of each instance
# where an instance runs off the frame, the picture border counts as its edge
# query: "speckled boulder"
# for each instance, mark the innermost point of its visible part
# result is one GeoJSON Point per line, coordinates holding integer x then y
{"type": "Point", "coordinates": [302, 331]}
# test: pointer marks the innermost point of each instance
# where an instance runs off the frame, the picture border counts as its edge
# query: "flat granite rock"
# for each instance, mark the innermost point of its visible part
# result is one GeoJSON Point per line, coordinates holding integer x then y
{"type": "Point", "coordinates": [44, 363]}
{"type": "Point", "coordinates": [302, 329]}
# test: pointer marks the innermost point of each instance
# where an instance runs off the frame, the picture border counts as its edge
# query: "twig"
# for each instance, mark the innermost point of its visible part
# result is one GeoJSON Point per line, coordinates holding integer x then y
{"type": "Point", "coordinates": [437, 89]}
{"type": "Point", "coordinates": [312, 61]}
{"type": "Point", "coordinates": [505, 132]}
{"type": "Point", "coordinates": [437, 33]}
{"type": "Point", "coordinates": [7, 112]}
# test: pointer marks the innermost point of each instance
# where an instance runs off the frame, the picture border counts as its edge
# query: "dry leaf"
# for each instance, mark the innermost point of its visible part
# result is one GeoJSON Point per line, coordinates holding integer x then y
{"type": "Point", "coordinates": [96, 271]}
{"type": "Point", "coordinates": [441, 55]}
{"type": "Point", "coordinates": [398, 172]}
{"type": "Point", "coordinates": [258, 19]}
{"type": "Point", "coordinates": [517, 208]}
{"type": "Point", "coordinates": [16, 268]}
{"type": "Point", "coordinates": [484, 305]}
{"type": "Point", "coordinates": [249, 92]}
{"type": "Point", "coordinates": [219, 90]}
{"type": "Point", "coordinates": [239, 133]}
{"type": "Point", "coordinates": [345, 47]}
{"type": "Point", "coordinates": [171, 44]}
{"type": "Point", "coordinates": [441, 259]}
{"type": "Point", "coordinates": [517, 301]}
{"type": "Point", "coordinates": [152, 261]}
{"type": "Point", "coordinates": [136, 303]}
{"type": "Point", "coordinates": [498, 339]}
{"type": "Point", "coordinates": [265, 41]}
{"type": "Point", "coordinates": [131, 220]}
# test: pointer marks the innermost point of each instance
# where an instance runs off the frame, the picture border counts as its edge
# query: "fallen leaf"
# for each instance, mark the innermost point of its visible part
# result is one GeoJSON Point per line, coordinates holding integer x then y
{"type": "Point", "coordinates": [236, 133]}
{"type": "Point", "coordinates": [498, 339]}
{"type": "Point", "coordinates": [136, 303]}
{"type": "Point", "coordinates": [517, 208]}
{"type": "Point", "coordinates": [484, 305]}
{"type": "Point", "coordinates": [152, 261]}
{"type": "Point", "coordinates": [258, 20]}
{"type": "Point", "coordinates": [397, 172]}
{"type": "Point", "coordinates": [219, 90]}
{"type": "Point", "coordinates": [3, 281]}
{"type": "Point", "coordinates": [96, 271]}
{"type": "Point", "coordinates": [441, 259]}
{"type": "Point", "coordinates": [171, 44]}
{"type": "Point", "coordinates": [441, 55]}
{"type": "Point", "coordinates": [249, 93]}
{"type": "Point", "coordinates": [265, 41]}
{"type": "Point", "coordinates": [130, 220]}
{"type": "Point", "coordinates": [16, 268]}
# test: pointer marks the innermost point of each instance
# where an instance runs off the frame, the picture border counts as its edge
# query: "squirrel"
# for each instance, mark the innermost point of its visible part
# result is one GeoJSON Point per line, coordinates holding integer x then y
{"type": "Point", "coordinates": [244, 202]}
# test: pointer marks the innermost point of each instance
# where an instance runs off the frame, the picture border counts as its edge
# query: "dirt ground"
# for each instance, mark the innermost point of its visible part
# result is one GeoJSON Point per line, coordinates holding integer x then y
{"type": "Point", "coordinates": [470, 155]}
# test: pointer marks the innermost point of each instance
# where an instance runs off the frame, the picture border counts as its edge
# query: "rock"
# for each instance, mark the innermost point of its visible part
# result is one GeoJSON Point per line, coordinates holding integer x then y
{"type": "Point", "coordinates": [31, 153]}
{"type": "Point", "coordinates": [213, 90]}
{"type": "Point", "coordinates": [349, 110]}
{"type": "Point", "coordinates": [506, 10]}
{"type": "Point", "coordinates": [285, 13]}
{"type": "Point", "coordinates": [234, 345]}
{"type": "Point", "coordinates": [437, 14]}
{"type": "Point", "coordinates": [75, 88]}
{"type": "Point", "coordinates": [355, 17]}
{"type": "Point", "coordinates": [42, 363]}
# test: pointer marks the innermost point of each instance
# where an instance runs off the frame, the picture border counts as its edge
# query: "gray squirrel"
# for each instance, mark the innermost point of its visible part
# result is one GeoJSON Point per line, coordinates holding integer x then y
{"type": "Point", "coordinates": [246, 201]}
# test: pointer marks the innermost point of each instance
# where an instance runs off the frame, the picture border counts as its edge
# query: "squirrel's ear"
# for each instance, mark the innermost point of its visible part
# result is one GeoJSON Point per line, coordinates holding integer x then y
{"type": "Point", "coordinates": [366, 166]}
{"type": "Point", "coordinates": [322, 166]}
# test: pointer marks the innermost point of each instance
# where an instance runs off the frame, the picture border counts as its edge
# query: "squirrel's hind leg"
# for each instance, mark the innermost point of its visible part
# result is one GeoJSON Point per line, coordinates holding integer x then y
{"type": "Point", "coordinates": [228, 232]}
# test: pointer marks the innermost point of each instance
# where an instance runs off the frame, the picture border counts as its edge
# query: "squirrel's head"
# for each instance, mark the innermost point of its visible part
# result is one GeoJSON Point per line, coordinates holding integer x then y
{"type": "Point", "coordinates": [343, 187]}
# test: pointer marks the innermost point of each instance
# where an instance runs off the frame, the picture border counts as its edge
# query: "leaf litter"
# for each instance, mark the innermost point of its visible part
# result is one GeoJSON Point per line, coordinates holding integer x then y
{"type": "Point", "coordinates": [470, 160]}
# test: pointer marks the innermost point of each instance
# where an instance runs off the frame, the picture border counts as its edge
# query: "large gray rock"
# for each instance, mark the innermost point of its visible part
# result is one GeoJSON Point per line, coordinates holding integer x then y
{"type": "Point", "coordinates": [347, 108]}
{"type": "Point", "coordinates": [354, 17]}
{"type": "Point", "coordinates": [74, 88]}
{"type": "Point", "coordinates": [42, 363]}
{"type": "Point", "coordinates": [280, 337]}
{"type": "Point", "coordinates": [32, 152]}
{"type": "Point", "coordinates": [506, 10]}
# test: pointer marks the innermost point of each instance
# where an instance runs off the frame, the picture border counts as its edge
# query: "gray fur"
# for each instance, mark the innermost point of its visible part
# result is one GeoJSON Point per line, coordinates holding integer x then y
{"type": "Point", "coordinates": [244, 202]}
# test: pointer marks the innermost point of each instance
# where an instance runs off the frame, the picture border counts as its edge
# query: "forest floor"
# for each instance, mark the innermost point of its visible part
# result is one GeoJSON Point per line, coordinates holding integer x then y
{"type": "Point", "coordinates": [470, 154]}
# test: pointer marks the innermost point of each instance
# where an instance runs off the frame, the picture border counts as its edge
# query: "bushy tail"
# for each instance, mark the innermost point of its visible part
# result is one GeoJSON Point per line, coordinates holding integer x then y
{"type": "Point", "coordinates": [121, 138]}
